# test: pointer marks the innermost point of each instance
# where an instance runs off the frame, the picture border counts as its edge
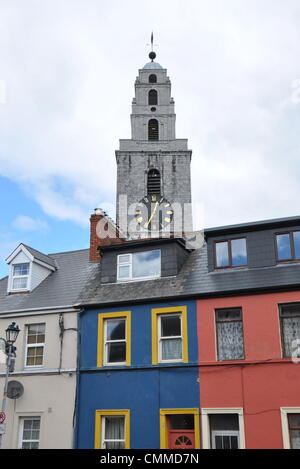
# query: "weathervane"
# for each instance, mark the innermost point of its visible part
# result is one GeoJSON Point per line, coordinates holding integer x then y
{"type": "Point", "coordinates": [152, 54]}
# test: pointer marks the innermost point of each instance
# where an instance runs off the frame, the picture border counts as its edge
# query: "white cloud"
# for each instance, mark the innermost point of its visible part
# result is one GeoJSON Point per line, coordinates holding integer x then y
{"type": "Point", "coordinates": [69, 69]}
{"type": "Point", "coordinates": [26, 223]}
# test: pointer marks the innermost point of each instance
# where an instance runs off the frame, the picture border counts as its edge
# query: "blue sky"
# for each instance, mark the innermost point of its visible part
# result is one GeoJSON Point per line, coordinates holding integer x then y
{"type": "Point", "coordinates": [23, 220]}
{"type": "Point", "coordinates": [66, 85]}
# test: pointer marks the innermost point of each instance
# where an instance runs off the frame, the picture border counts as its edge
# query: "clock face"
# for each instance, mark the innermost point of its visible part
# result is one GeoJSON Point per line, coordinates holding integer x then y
{"type": "Point", "coordinates": [154, 212]}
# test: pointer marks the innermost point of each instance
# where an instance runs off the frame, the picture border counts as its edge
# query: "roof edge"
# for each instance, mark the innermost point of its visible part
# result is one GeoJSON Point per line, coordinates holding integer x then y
{"type": "Point", "coordinates": [253, 226]}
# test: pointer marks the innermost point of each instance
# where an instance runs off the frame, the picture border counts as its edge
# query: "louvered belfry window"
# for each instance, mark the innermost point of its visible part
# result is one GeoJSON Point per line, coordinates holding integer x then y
{"type": "Point", "coordinates": [152, 97]}
{"type": "Point", "coordinates": [153, 182]}
{"type": "Point", "coordinates": [153, 129]}
{"type": "Point", "coordinates": [152, 78]}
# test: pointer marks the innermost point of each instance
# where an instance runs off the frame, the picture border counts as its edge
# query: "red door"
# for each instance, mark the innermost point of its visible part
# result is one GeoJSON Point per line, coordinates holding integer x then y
{"type": "Point", "coordinates": [181, 439]}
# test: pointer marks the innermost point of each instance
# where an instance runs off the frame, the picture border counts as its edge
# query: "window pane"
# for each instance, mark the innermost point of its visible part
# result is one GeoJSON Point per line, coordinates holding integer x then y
{"type": "Point", "coordinates": [239, 252]}
{"type": "Point", "coordinates": [114, 445]}
{"type": "Point", "coordinates": [20, 283]}
{"type": "Point", "coordinates": [230, 340]}
{"type": "Point", "coordinates": [146, 264]}
{"type": "Point", "coordinates": [170, 326]}
{"type": "Point", "coordinates": [115, 329]}
{"type": "Point", "coordinates": [31, 434]}
{"type": "Point", "coordinates": [124, 258]}
{"type": "Point", "coordinates": [114, 428]}
{"type": "Point", "coordinates": [284, 247]}
{"type": "Point", "coordinates": [30, 445]}
{"type": "Point", "coordinates": [171, 349]}
{"type": "Point", "coordinates": [294, 421]}
{"type": "Point", "coordinates": [219, 442]}
{"type": "Point", "coordinates": [290, 335]}
{"type": "Point", "coordinates": [290, 310]}
{"type": "Point", "coordinates": [21, 269]}
{"type": "Point", "coordinates": [123, 271]}
{"type": "Point", "coordinates": [116, 352]}
{"type": "Point", "coordinates": [297, 244]}
{"type": "Point", "coordinates": [181, 422]}
{"type": "Point", "coordinates": [295, 439]}
{"type": "Point", "coordinates": [36, 334]}
{"type": "Point", "coordinates": [35, 356]}
{"type": "Point", "coordinates": [222, 257]}
{"type": "Point", "coordinates": [224, 422]}
{"type": "Point", "coordinates": [229, 314]}
{"type": "Point", "coordinates": [226, 442]}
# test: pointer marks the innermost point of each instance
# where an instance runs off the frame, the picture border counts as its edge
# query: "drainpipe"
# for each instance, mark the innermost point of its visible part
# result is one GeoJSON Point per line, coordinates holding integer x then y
{"type": "Point", "coordinates": [75, 414]}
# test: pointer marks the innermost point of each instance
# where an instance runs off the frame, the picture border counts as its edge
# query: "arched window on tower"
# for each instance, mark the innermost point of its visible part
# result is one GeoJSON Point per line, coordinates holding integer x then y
{"type": "Point", "coordinates": [152, 97]}
{"type": "Point", "coordinates": [153, 182]}
{"type": "Point", "coordinates": [152, 78]}
{"type": "Point", "coordinates": [153, 129]}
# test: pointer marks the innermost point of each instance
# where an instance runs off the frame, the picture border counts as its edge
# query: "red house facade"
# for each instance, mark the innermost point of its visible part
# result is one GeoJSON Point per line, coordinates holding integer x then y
{"type": "Point", "coordinates": [249, 366]}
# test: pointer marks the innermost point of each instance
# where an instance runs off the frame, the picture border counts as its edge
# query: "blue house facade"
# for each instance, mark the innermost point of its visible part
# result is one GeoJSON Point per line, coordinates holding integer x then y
{"type": "Point", "coordinates": [151, 401]}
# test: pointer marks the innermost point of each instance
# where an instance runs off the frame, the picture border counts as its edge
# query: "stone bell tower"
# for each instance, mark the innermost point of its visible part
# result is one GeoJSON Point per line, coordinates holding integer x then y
{"type": "Point", "coordinates": [153, 161]}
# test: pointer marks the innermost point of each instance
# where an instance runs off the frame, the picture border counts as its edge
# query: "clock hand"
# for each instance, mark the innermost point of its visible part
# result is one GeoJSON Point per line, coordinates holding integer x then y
{"type": "Point", "coordinates": [152, 215]}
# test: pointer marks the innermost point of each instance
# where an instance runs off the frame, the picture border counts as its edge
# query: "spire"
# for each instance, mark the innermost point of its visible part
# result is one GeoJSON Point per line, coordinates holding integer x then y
{"type": "Point", "coordinates": [152, 56]}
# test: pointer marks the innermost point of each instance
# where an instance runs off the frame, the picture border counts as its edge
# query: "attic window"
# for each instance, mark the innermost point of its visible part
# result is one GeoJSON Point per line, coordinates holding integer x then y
{"type": "Point", "coordinates": [20, 277]}
{"type": "Point", "coordinates": [139, 266]}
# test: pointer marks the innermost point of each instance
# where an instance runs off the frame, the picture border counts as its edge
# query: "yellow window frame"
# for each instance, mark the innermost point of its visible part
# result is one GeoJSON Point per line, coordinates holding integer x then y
{"type": "Point", "coordinates": [159, 312]}
{"type": "Point", "coordinates": [101, 318]}
{"type": "Point", "coordinates": [164, 429]}
{"type": "Point", "coordinates": [111, 413]}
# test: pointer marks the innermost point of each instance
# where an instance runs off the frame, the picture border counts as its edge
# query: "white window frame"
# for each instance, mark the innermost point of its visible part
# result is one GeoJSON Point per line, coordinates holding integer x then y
{"type": "Point", "coordinates": [105, 342]}
{"type": "Point", "coordinates": [130, 278]}
{"type": "Point", "coordinates": [224, 433]}
{"type": "Point", "coordinates": [285, 411]}
{"type": "Point", "coordinates": [161, 339]}
{"type": "Point", "coordinates": [38, 344]}
{"type": "Point", "coordinates": [13, 276]}
{"type": "Point", "coordinates": [103, 440]}
{"type": "Point", "coordinates": [21, 430]}
{"type": "Point", "coordinates": [206, 412]}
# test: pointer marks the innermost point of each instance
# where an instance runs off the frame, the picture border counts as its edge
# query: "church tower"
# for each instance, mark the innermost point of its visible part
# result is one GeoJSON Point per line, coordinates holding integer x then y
{"type": "Point", "coordinates": [153, 167]}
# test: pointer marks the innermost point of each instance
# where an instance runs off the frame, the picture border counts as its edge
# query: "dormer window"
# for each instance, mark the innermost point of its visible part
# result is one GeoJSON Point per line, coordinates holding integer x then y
{"type": "Point", "coordinates": [20, 277]}
{"type": "Point", "coordinates": [28, 268]}
{"type": "Point", "coordinates": [138, 266]}
{"type": "Point", "coordinates": [231, 253]}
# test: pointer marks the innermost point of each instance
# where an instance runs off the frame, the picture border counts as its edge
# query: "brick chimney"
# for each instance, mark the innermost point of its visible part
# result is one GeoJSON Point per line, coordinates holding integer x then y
{"type": "Point", "coordinates": [103, 232]}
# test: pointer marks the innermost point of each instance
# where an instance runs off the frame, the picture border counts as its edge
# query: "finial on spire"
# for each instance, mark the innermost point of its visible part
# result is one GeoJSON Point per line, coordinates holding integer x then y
{"type": "Point", "coordinates": [152, 54]}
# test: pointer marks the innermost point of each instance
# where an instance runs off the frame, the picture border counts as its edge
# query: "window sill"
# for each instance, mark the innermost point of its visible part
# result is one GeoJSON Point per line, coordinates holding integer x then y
{"type": "Point", "coordinates": [143, 279]}
{"type": "Point", "coordinates": [18, 292]}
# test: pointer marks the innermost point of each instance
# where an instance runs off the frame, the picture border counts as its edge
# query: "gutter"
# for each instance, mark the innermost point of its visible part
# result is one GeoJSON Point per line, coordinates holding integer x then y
{"type": "Point", "coordinates": [49, 309]}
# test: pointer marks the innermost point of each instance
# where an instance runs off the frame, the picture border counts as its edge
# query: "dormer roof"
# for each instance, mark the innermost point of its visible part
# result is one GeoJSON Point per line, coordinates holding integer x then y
{"type": "Point", "coordinates": [33, 255]}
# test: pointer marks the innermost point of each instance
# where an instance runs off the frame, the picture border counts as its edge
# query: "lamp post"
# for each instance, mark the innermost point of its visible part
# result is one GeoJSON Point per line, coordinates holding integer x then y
{"type": "Point", "coordinates": [12, 333]}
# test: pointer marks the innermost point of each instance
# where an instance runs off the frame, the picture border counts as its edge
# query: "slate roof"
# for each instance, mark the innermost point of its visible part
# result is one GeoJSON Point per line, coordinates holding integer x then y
{"type": "Point", "coordinates": [194, 280]}
{"type": "Point", "coordinates": [40, 256]}
{"type": "Point", "coordinates": [60, 288]}
{"type": "Point", "coordinates": [77, 282]}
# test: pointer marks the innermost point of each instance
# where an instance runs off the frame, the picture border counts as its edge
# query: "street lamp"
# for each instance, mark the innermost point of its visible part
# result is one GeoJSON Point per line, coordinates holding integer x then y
{"type": "Point", "coordinates": [12, 333]}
